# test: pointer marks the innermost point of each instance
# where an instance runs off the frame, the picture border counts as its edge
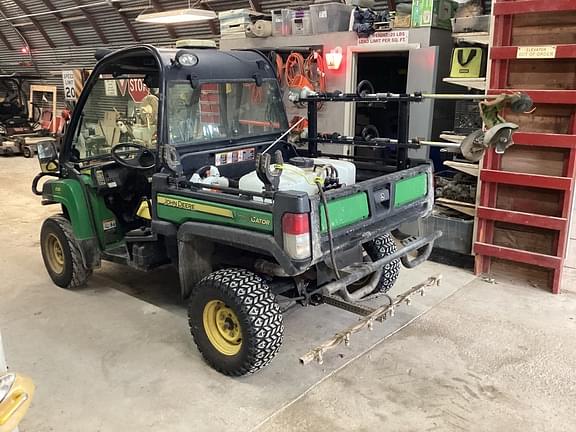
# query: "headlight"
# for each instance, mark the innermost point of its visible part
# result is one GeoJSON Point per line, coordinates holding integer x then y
{"type": "Point", "coordinates": [6, 382]}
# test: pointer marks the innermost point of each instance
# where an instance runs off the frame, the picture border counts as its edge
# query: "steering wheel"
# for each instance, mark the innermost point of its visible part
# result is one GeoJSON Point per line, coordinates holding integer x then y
{"type": "Point", "coordinates": [133, 156]}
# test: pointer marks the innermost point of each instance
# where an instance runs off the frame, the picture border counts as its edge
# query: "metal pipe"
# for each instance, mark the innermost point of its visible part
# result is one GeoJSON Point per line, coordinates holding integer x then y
{"type": "Point", "coordinates": [312, 129]}
{"type": "Point", "coordinates": [367, 289]}
{"type": "Point", "coordinates": [386, 141]}
{"type": "Point", "coordinates": [390, 97]}
{"type": "Point", "coordinates": [459, 96]}
{"type": "Point", "coordinates": [67, 9]}
{"type": "Point", "coordinates": [358, 271]}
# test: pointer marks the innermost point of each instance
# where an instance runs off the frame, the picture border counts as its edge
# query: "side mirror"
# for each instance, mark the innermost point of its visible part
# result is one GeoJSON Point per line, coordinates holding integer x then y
{"type": "Point", "coordinates": [47, 156]}
{"type": "Point", "coordinates": [16, 393]}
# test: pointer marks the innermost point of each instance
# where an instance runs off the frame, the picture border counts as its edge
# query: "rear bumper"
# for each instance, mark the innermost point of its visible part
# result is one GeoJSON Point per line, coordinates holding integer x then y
{"type": "Point", "coordinates": [354, 272]}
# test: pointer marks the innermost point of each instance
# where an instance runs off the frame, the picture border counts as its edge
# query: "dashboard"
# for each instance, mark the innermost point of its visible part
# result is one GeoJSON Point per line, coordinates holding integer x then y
{"type": "Point", "coordinates": [108, 176]}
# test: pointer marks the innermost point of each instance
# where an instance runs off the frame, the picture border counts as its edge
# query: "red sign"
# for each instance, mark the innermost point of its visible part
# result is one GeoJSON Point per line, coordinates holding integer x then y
{"type": "Point", "coordinates": [137, 89]}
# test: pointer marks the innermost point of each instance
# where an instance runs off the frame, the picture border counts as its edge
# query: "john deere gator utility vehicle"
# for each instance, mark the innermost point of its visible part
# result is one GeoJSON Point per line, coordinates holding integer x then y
{"type": "Point", "coordinates": [176, 156]}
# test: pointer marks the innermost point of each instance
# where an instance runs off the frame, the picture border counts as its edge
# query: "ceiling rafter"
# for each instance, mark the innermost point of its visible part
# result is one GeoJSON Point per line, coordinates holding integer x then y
{"type": "Point", "coordinates": [3, 38]}
{"type": "Point", "coordinates": [255, 4]}
{"type": "Point", "coordinates": [93, 23]}
{"type": "Point", "coordinates": [126, 22]}
{"type": "Point", "coordinates": [50, 6]}
{"type": "Point", "coordinates": [5, 41]}
{"type": "Point", "coordinates": [158, 8]}
{"type": "Point", "coordinates": [36, 24]}
{"type": "Point", "coordinates": [211, 23]}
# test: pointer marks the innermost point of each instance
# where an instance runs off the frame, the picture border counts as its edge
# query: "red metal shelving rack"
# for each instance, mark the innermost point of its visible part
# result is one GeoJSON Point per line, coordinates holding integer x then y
{"type": "Point", "coordinates": [492, 176]}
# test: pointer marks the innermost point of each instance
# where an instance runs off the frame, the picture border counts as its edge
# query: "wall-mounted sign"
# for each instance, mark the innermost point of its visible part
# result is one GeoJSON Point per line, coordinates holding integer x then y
{"type": "Point", "coordinates": [110, 88]}
{"type": "Point", "coordinates": [527, 52]}
{"type": "Point", "coordinates": [386, 38]}
{"type": "Point", "coordinates": [69, 85]}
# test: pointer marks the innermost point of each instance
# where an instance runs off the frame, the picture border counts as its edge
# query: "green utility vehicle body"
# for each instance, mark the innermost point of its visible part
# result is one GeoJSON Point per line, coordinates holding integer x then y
{"type": "Point", "coordinates": [132, 199]}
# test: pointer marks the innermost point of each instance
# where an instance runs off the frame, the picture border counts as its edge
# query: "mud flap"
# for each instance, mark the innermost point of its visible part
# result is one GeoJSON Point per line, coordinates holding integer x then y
{"type": "Point", "coordinates": [194, 262]}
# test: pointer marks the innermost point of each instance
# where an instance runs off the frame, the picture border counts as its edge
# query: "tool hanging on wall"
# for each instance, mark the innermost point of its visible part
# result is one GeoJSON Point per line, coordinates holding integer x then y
{"type": "Point", "coordinates": [305, 75]}
{"type": "Point", "coordinates": [498, 132]}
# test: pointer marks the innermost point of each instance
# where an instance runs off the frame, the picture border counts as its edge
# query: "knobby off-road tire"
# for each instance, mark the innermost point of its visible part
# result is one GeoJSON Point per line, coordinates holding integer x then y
{"type": "Point", "coordinates": [61, 253]}
{"type": "Point", "coordinates": [377, 249]}
{"type": "Point", "coordinates": [251, 317]}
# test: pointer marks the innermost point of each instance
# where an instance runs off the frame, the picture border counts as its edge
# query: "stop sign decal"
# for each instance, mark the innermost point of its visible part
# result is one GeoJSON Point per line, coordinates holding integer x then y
{"type": "Point", "coordinates": [137, 89]}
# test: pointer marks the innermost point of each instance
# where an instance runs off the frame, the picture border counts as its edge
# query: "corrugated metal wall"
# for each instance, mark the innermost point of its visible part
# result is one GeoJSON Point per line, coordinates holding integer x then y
{"type": "Point", "coordinates": [51, 37]}
{"type": "Point", "coordinates": [41, 32]}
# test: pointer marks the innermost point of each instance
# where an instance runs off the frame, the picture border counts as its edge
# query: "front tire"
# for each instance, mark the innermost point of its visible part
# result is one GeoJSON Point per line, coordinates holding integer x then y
{"type": "Point", "coordinates": [235, 321]}
{"type": "Point", "coordinates": [61, 253]}
{"type": "Point", "coordinates": [27, 152]}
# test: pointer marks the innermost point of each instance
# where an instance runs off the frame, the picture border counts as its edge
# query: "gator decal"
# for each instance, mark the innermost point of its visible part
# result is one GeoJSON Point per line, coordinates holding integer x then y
{"type": "Point", "coordinates": [179, 210]}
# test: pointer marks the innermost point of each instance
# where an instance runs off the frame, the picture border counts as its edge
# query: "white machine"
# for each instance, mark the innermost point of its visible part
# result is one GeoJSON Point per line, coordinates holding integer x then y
{"type": "Point", "coordinates": [300, 175]}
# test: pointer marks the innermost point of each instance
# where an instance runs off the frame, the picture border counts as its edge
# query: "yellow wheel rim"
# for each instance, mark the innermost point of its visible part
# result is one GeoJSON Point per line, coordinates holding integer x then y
{"type": "Point", "coordinates": [55, 254]}
{"type": "Point", "coordinates": [222, 327]}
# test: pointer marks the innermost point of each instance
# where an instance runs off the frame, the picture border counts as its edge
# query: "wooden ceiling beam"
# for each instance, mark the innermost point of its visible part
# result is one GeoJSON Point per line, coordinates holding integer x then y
{"type": "Point", "coordinates": [255, 4]}
{"type": "Point", "coordinates": [3, 38]}
{"type": "Point", "coordinates": [36, 24]}
{"type": "Point", "coordinates": [93, 23]}
{"type": "Point", "coordinates": [158, 8]}
{"type": "Point", "coordinates": [50, 6]}
{"type": "Point", "coordinates": [6, 42]}
{"type": "Point", "coordinates": [126, 22]}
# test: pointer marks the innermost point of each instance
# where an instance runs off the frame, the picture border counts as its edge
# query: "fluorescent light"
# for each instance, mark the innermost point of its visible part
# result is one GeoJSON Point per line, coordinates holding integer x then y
{"type": "Point", "coordinates": [177, 16]}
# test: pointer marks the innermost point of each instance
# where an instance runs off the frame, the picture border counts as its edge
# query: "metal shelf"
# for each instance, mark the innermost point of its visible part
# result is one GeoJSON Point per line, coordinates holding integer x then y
{"type": "Point", "coordinates": [471, 83]}
{"type": "Point", "coordinates": [482, 38]}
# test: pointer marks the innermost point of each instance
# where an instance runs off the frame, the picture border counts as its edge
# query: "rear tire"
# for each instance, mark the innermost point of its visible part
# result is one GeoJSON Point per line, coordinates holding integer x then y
{"type": "Point", "coordinates": [377, 249]}
{"type": "Point", "coordinates": [235, 321]}
{"type": "Point", "coordinates": [27, 152]}
{"type": "Point", "coordinates": [61, 253]}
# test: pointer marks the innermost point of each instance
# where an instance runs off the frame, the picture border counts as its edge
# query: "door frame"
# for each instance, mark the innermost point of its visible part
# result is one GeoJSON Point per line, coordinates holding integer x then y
{"type": "Point", "coordinates": [352, 76]}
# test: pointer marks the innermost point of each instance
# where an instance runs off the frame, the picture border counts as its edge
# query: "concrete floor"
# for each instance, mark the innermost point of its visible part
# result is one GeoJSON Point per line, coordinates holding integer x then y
{"type": "Point", "coordinates": [118, 356]}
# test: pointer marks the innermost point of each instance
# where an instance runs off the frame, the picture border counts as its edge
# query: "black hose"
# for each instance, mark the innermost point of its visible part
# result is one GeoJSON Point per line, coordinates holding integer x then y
{"type": "Point", "coordinates": [330, 236]}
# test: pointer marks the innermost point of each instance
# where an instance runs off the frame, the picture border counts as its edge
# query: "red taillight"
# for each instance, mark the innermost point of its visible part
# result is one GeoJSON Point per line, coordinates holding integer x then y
{"type": "Point", "coordinates": [296, 223]}
{"type": "Point", "coordinates": [296, 234]}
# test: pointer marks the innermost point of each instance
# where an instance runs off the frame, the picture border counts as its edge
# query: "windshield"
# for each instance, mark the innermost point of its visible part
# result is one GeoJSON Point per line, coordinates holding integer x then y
{"type": "Point", "coordinates": [221, 111]}
{"type": "Point", "coordinates": [121, 110]}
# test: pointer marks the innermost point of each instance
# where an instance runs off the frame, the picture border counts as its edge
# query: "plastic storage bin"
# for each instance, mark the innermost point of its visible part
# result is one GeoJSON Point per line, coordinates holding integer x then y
{"type": "Point", "coordinates": [281, 22]}
{"type": "Point", "coordinates": [301, 23]}
{"type": "Point", "coordinates": [456, 232]}
{"type": "Point", "coordinates": [330, 17]}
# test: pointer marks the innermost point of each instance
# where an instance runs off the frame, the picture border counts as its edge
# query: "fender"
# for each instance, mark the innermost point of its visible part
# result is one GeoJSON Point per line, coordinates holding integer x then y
{"type": "Point", "coordinates": [69, 193]}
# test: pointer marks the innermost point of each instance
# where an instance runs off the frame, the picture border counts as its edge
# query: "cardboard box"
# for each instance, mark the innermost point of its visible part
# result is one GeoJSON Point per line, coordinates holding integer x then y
{"type": "Point", "coordinates": [433, 13]}
{"type": "Point", "coordinates": [402, 21]}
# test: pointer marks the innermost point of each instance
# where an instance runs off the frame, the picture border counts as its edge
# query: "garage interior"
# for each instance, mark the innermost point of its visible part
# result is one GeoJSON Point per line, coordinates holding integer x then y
{"type": "Point", "coordinates": [125, 311]}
